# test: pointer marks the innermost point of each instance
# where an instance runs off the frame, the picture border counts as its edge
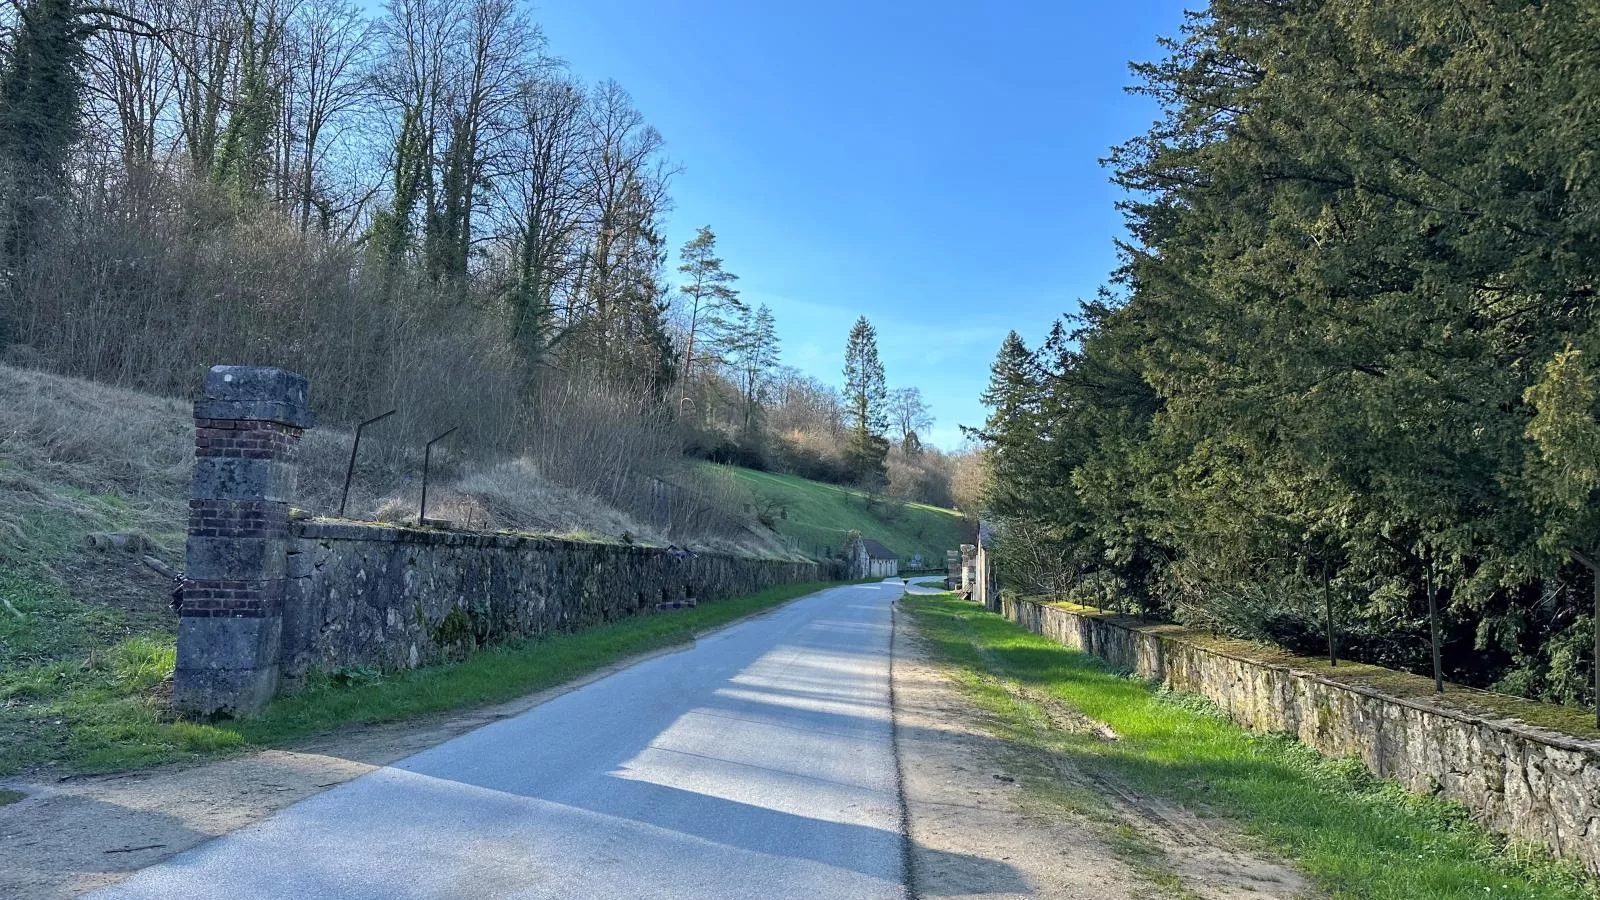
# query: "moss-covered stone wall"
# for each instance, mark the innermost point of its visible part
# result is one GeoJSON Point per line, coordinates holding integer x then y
{"type": "Point", "coordinates": [394, 598]}
{"type": "Point", "coordinates": [1524, 781]}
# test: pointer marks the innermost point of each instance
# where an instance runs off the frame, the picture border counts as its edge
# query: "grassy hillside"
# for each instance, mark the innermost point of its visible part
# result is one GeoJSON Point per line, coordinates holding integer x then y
{"type": "Point", "coordinates": [86, 637]}
{"type": "Point", "coordinates": [819, 515]}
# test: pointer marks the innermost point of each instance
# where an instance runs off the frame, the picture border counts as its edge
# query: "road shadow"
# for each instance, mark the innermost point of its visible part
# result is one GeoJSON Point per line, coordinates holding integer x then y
{"type": "Point", "coordinates": [61, 845]}
{"type": "Point", "coordinates": [824, 698]}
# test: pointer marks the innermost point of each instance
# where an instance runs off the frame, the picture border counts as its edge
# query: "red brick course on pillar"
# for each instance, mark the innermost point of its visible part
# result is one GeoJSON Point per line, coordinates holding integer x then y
{"type": "Point", "coordinates": [247, 429]}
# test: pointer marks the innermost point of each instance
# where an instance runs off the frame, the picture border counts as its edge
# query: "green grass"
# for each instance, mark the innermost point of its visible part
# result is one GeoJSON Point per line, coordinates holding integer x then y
{"type": "Point", "coordinates": [85, 683]}
{"type": "Point", "coordinates": [79, 679]}
{"type": "Point", "coordinates": [819, 515]}
{"type": "Point", "coordinates": [48, 617]}
{"type": "Point", "coordinates": [102, 712]}
{"type": "Point", "coordinates": [1353, 834]}
{"type": "Point", "coordinates": [109, 713]}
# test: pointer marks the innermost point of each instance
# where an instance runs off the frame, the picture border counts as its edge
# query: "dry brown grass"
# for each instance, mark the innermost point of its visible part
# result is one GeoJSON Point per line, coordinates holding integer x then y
{"type": "Point", "coordinates": [511, 494]}
{"type": "Point", "coordinates": [114, 459]}
{"type": "Point", "coordinates": [66, 445]}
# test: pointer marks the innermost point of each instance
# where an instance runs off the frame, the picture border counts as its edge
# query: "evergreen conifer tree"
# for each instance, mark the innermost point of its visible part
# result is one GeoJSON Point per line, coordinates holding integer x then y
{"type": "Point", "coordinates": [866, 391]}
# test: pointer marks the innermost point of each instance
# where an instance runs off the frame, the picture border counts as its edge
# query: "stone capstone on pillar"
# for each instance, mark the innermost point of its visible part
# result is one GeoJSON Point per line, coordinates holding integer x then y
{"type": "Point", "coordinates": [247, 429]}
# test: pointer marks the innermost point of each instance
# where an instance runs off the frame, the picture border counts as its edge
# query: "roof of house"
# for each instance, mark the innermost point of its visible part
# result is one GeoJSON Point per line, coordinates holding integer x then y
{"type": "Point", "coordinates": [876, 550]}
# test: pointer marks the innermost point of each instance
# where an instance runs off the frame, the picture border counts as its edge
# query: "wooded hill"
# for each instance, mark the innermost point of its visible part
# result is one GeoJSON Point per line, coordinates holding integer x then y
{"type": "Point", "coordinates": [1352, 346]}
{"type": "Point", "coordinates": [420, 207]}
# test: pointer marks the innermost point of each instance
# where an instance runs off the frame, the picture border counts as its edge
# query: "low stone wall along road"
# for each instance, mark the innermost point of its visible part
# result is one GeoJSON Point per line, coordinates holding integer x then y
{"type": "Point", "coordinates": [758, 763]}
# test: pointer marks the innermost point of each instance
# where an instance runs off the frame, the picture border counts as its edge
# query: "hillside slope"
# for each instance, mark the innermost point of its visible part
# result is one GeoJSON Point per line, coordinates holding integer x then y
{"type": "Point", "coordinates": [818, 516]}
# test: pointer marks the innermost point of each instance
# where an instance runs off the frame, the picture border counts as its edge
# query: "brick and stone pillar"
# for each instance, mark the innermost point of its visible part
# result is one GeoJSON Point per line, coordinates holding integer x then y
{"type": "Point", "coordinates": [985, 589]}
{"type": "Point", "coordinates": [247, 429]}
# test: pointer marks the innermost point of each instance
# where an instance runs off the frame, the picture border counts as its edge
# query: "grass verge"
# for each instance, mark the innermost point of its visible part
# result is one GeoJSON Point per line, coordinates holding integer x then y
{"type": "Point", "coordinates": [113, 715]}
{"type": "Point", "coordinates": [1352, 833]}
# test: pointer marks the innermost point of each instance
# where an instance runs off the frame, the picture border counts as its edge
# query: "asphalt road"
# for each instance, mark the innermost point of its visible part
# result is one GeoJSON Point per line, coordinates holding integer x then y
{"type": "Point", "coordinates": [759, 763]}
{"type": "Point", "coordinates": [926, 584]}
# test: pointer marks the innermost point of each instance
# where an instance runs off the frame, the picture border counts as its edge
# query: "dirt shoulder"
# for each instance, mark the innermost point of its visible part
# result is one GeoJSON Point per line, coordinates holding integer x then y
{"type": "Point", "coordinates": [989, 818]}
{"type": "Point", "coordinates": [78, 833]}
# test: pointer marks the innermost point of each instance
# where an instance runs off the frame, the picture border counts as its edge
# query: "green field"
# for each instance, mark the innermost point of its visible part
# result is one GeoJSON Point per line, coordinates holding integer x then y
{"type": "Point", "coordinates": [819, 516]}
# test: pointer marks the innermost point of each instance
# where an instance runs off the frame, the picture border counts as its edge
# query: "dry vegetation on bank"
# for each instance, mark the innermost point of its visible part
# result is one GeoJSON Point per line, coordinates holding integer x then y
{"type": "Point", "coordinates": [75, 449]}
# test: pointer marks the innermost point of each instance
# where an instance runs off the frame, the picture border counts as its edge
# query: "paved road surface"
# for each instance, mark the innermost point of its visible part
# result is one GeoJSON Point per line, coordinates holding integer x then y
{"type": "Point", "coordinates": [757, 764]}
{"type": "Point", "coordinates": [926, 584]}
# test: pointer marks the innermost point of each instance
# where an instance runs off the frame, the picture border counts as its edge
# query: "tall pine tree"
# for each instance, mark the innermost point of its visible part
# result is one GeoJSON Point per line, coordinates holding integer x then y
{"type": "Point", "coordinates": [1011, 431]}
{"type": "Point", "coordinates": [865, 393]}
{"type": "Point", "coordinates": [709, 298]}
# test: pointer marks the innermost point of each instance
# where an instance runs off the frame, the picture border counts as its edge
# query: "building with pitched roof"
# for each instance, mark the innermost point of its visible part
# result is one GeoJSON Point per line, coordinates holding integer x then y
{"type": "Point", "coordinates": [870, 559]}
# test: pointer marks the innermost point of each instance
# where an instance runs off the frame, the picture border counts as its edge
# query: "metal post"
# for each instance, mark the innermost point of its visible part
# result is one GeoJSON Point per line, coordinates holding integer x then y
{"type": "Point", "coordinates": [350, 470]}
{"type": "Point", "coordinates": [427, 459]}
{"type": "Point", "coordinates": [1327, 606]}
{"type": "Point", "coordinates": [1433, 623]}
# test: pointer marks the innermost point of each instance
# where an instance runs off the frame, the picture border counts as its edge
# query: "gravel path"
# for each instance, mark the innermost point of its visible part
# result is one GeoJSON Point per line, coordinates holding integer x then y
{"type": "Point", "coordinates": [994, 819]}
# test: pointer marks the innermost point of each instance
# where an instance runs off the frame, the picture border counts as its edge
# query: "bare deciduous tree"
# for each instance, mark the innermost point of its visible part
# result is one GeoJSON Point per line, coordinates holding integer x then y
{"type": "Point", "coordinates": [542, 200]}
{"type": "Point", "coordinates": [910, 415]}
{"type": "Point", "coordinates": [327, 57]}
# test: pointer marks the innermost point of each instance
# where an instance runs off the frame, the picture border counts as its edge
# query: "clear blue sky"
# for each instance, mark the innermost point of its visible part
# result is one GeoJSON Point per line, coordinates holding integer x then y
{"type": "Point", "coordinates": [933, 166]}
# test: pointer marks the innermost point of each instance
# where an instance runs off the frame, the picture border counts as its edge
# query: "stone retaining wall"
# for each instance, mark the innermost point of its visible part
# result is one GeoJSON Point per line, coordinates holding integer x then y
{"type": "Point", "coordinates": [1526, 782]}
{"type": "Point", "coordinates": [267, 598]}
{"type": "Point", "coordinates": [394, 598]}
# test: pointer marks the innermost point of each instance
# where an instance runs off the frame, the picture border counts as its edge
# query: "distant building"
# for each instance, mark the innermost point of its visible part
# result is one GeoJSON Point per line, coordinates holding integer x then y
{"type": "Point", "coordinates": [969, 566]}
{"type": "Point", "coordinates": [870, 559]}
